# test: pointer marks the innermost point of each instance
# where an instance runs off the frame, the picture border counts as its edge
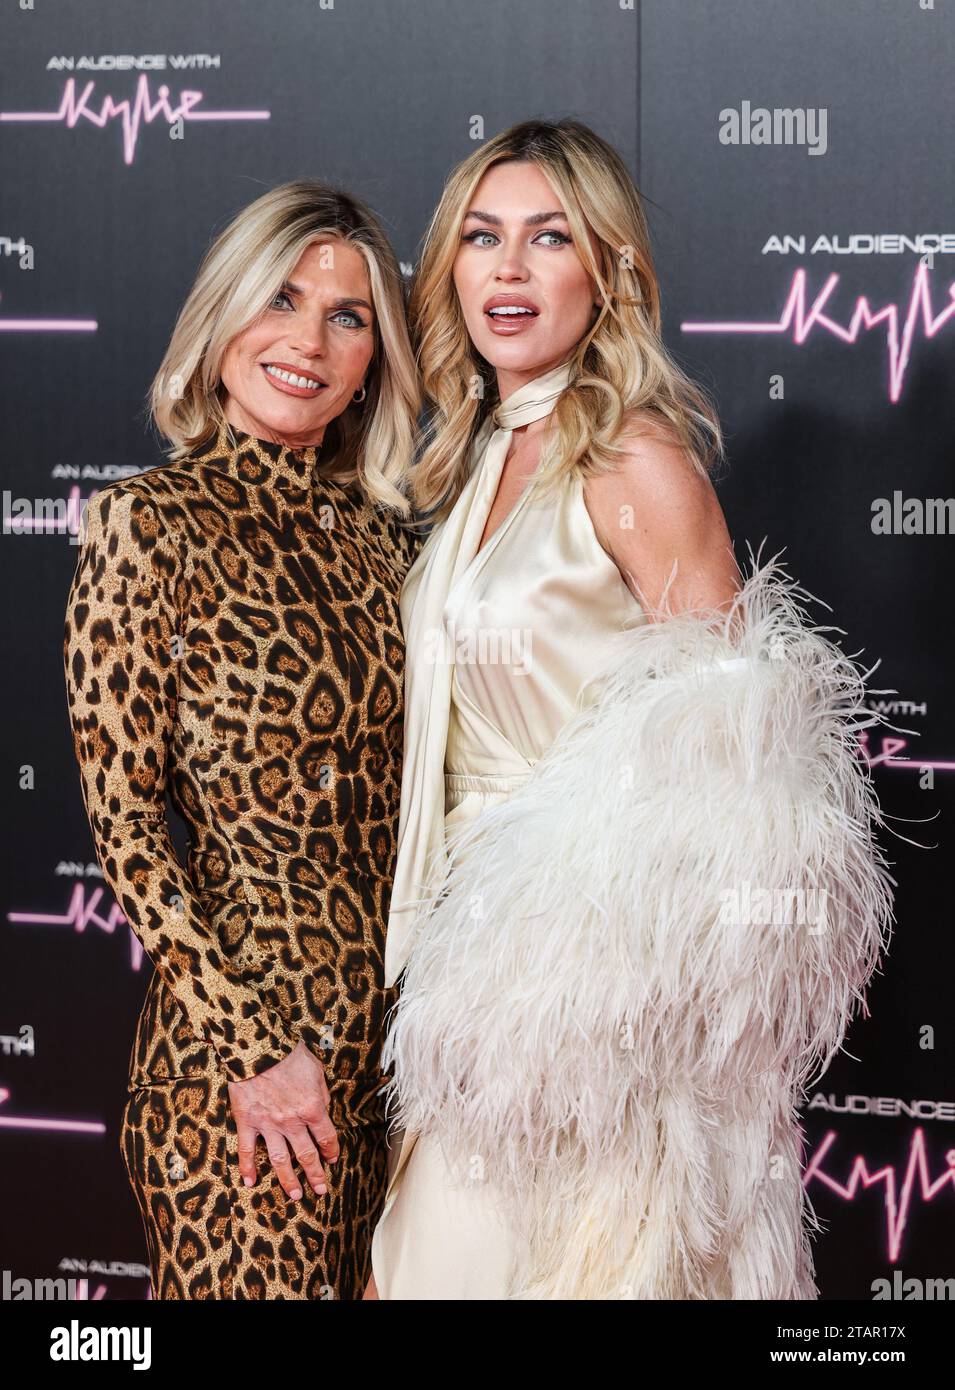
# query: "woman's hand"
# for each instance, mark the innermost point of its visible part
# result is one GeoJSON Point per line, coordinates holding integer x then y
{"type": "Point", "coordinates": [283, 1104]}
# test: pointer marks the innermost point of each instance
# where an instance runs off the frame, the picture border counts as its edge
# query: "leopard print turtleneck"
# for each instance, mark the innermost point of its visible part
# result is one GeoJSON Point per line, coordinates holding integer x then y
{"type": "Point", "coordinates": [233, 637]}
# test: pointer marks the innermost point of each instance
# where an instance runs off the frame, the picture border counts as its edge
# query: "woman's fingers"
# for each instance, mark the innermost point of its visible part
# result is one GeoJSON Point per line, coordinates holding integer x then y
{"type": "Point", "coordinates": [326, 1136]}
{"type": "Point", "coordinates": [307, 1155]}
{"type": "Point", "coordinates": [247, 1135]}
{"type": "Point", "coordinates": [279, 1158]}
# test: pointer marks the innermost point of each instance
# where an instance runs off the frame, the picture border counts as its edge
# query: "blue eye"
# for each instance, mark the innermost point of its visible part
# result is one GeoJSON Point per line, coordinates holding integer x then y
{"type": "Point", "coordinates": [356, 320]}
{"type": "Point", "coordinates": [560, 238]}
{"type": "Point", "coordinates": [473, 236]}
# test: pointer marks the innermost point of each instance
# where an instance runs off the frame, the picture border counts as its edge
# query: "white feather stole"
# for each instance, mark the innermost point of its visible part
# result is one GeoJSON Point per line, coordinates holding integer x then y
{"type": "Point", "coordinates": [603, 1014]}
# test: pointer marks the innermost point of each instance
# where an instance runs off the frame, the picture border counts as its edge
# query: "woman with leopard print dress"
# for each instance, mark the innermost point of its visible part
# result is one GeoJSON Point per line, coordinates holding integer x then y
{"type": "Point", "coordinates": [233, 637]}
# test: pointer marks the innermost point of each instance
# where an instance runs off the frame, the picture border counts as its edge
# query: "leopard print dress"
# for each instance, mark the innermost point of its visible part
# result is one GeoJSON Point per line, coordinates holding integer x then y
{"type": "Point", "coordinates": [233, 637]}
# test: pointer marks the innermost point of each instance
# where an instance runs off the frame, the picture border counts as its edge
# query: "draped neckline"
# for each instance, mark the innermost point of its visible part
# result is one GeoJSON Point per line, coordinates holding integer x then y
{"type": "Point", "coordinates": [454, 561]}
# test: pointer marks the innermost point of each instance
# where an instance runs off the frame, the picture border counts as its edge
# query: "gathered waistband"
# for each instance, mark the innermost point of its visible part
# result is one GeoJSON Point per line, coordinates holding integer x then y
{"type": "Point", "coordinates": [487, 785]}
{"type": "Point", "coordinates": [466, 794]}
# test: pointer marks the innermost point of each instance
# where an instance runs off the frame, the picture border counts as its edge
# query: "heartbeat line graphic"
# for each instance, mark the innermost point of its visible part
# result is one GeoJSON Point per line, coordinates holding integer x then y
{"type": "Point", "coordinates": [47, 325]}
{"type": "Point", "coordinates": [893, 746]}
{"type": "Point", "coordinates": [898, 1199]}
{"type": "Point", "coordinates": [800, 320]}
{"type": "Point", "coordinates": [133, 114]}
{"type": "Point", "coordinates": [82, 914]}
{"type": "Point", "coordinates": [29, 1122]}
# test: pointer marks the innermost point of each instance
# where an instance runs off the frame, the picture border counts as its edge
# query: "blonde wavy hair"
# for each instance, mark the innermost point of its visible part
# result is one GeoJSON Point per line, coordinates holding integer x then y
{"type": "Point", "coordinates": [625, 380]}
{"type": "Point", "coordinates": [238, 278]}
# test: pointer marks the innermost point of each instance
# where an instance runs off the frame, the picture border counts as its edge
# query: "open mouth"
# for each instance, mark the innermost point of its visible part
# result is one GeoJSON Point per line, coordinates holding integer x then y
{"type": "Point", "coordinates": [510, 311]}
{"type": "Point", "coordinates": [299, 383]}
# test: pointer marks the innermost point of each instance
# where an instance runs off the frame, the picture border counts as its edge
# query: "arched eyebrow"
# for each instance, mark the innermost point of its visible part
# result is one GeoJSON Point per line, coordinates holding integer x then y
{"type": "Point", "coordinates": [533, 221]}
{"type": "Point", "coordinates": [336, 303]}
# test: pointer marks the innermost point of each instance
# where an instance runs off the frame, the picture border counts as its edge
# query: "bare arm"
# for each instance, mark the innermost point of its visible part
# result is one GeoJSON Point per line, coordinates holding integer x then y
{"type": "Point", "coordinates": [656, 515]}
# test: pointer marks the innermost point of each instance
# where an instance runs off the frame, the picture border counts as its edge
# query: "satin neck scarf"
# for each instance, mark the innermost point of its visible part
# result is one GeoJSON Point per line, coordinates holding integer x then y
{"type": "Point", "coordinates": [422, 861]}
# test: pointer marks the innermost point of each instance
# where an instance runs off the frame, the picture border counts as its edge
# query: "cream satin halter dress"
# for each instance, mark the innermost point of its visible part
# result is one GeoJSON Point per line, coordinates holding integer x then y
{"type": "Point", "coordinates": [521, 626]}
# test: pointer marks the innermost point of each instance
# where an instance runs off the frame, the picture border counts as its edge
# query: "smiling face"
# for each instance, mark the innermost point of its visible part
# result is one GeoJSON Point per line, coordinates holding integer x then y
{"type": "Point", "coordinates": [525, 294]}
{"type": "Point", "coordinates": [296, 367]}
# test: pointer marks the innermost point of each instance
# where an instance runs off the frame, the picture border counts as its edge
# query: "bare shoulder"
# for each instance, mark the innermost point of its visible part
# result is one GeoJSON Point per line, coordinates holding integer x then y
{"type": "Point", "coordinates": [656, 513]}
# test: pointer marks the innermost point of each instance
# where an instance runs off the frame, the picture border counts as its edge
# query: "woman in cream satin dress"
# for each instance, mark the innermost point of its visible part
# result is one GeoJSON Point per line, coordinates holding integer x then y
{"type": "Point", "coordinates": [521, 570]}
{"type": "Point", "coordinates": [546, 598]}
{"type": "Point", "coordinates": [605, 732]}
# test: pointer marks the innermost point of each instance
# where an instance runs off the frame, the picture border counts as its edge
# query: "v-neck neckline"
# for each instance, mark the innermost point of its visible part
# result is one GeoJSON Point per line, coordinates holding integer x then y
{"type": "Point", "coordinates": [530, 402]}
{"type": "Point", "coordinates": [509, 515]}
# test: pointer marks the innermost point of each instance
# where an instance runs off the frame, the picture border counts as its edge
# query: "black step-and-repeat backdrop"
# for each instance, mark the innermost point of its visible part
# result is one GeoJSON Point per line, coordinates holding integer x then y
{"type": "Point", "coordinates": [796, 155]}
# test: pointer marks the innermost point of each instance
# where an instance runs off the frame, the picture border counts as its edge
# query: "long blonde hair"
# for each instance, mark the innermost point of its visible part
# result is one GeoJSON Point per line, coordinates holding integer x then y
{"type": "Point", "coordinates": [621, 363]}
{"type": "Point", "coordinates": [238, 278]}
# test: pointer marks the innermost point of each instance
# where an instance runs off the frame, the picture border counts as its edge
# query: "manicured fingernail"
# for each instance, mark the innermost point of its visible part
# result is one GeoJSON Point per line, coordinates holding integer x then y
{"type": "Point", "coordinates": [249, 1182]}
{"type": "Point", "coordinates": [295, 1193]}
